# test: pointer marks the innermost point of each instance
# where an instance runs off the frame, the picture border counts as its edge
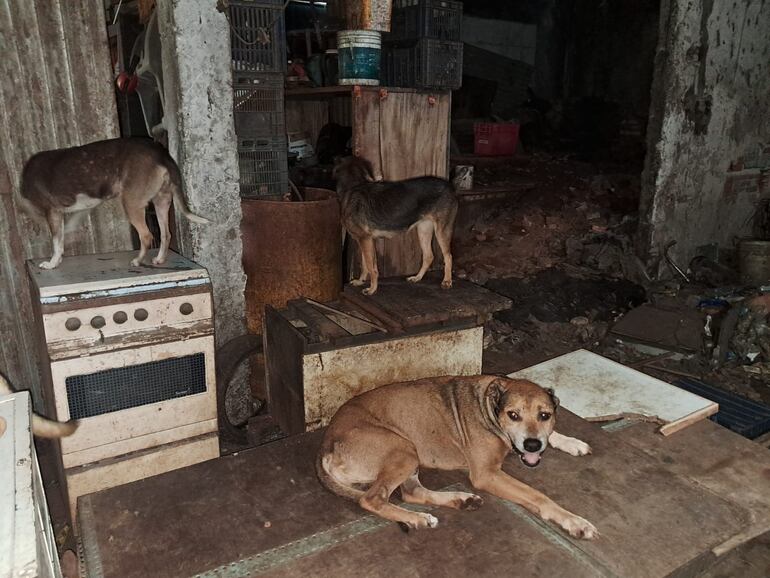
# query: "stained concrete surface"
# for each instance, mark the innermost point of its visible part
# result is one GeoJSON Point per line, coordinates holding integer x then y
{"type": "Point", "coordinates": [709, 127]}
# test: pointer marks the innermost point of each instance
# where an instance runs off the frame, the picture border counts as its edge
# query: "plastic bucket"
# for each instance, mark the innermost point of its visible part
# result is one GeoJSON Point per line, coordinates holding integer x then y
{"type": "Point", "coordinates": [359, 57]}
{"type": "Point", "coordinates": [754, 262]}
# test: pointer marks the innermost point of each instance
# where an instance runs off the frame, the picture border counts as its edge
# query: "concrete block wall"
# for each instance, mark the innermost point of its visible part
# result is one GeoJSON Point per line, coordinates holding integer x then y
{"type": "Point", "coordinates": [709, 131]}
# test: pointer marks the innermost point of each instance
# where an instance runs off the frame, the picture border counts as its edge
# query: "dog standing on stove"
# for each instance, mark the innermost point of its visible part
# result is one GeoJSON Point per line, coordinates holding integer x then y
{"type": "Point", "coordinates": [373, 210]}
{"type": "Point", "coordinates": [70, 181]}
{"type": "Point", "coordinates": [379, 440]}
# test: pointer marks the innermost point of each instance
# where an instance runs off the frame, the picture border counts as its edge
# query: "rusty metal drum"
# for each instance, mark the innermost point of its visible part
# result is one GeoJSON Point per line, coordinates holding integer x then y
{"type": "Point", "coordinates": [361, 14]}
{"type": "Point", "coordinates": [291, 249]}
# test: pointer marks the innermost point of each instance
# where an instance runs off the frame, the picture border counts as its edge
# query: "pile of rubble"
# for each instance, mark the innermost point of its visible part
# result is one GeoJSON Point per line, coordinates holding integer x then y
{"type": "Point", "coordinates": [570, 215]}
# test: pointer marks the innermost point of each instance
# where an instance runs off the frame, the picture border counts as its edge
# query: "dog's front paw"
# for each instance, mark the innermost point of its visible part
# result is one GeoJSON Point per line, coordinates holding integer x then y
{"type": "Point", "coordinates": [414, 279]}
{"type": "Point", "coordinates": [446, 284]}
{"type": "Point", "coordinates": [427, 521]}
{"type": "Point", "coordinates": [158, 260]}
{"type": "Point", "coordinates": [135, 262]}
{"type": "Point", "coordinates": [578, 527]}
{"type": "Point", "coordinates": [369, 291]}
{"type": "Point", "coordinates": [419, 521]}
{"type": "Point", "coordinates": [357, 282]}
{"type": "Point", "coordinates": [576, 447]}
{"type": "Point", "coordinates": [49, 264]}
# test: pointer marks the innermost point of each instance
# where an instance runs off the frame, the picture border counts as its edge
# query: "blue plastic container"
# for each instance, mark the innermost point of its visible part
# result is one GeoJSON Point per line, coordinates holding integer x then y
{"type": "Point", "coordinates": [359, 57]}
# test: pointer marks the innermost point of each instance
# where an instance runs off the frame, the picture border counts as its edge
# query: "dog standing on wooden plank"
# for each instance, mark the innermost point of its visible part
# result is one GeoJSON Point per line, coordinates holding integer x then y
{"type": "Point", "coordinates": [41, 426]}
{"type": "Point", "coordinates": [74, 180]}
{"type": "Point", "coordinates": [381, 438]}
{"type": "Point", "coordinates": [372, 210]}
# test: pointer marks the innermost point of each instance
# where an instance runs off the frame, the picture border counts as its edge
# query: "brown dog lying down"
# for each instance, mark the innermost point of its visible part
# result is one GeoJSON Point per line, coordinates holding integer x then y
{"type": "Point", "coordinates": [372, 210]}
{"type": "Point", "coordinates": [381, 438]}
{"type": "Point", "coordinates": [42, 427]}
{"type": "Point", "coordinates": [73, 180]}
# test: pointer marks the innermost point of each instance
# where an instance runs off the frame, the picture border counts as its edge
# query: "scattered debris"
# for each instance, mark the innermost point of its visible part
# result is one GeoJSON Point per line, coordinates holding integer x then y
{"type": "Point", "coordinates": [563, 251]}
{"type": "Point", "coordinates": [554, 295]}
{"type": "Point", "coordinates": [627, 416]}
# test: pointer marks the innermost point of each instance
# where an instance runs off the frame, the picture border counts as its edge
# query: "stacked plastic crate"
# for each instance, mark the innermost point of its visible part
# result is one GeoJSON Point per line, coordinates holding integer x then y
{"type": "Point", "coordinates": [258, 44]}
{"type": "Point", "coordinates": [424, 48]}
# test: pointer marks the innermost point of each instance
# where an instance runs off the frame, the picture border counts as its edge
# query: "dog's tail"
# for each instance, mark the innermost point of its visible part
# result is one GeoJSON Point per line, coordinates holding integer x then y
{"type": "Point", "coordinates": [329, 482]}
{"type": "Point", "coordinates": [42, 427]}
{"type": "Point", "coordinates": [31, 210]}
{"type": "Point", "coordinates": [176, 189]}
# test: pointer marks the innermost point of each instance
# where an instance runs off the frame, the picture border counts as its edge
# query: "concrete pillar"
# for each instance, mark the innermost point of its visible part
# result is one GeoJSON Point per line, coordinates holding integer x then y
{"type": "Point", "coordinates": [198, 96]}
{"type": "Point", "coordinates": [708, 150]}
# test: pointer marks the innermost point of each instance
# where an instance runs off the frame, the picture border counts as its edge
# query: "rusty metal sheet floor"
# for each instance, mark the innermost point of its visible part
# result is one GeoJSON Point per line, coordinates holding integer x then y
{"type": "Point", "coordinates": [262, 513]}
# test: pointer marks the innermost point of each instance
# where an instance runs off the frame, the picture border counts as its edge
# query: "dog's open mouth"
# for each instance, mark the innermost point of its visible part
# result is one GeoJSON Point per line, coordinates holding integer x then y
{"type": "Point", "coordinates": [529, 459]}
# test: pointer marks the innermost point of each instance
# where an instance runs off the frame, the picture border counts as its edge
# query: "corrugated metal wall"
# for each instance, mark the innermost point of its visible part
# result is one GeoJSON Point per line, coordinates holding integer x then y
{"type": "Point", "coordinates": [56, 90]}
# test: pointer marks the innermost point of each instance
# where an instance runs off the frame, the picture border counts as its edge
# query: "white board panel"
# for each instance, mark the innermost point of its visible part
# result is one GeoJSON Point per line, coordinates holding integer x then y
{"type": "Point", "coordinates": [593, 386]}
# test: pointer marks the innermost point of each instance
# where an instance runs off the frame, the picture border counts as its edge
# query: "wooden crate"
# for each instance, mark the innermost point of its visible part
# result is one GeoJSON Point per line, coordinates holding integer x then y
{"type": "Point", "coordinates": [318, 359]}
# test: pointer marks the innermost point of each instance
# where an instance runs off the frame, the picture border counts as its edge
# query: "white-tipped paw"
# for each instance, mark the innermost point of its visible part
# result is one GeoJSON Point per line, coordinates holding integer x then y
{"type": "Point", "coordinates": [430, 521]}
{"type": "Point", "coordinates": [49, 264]}
{"type": "Point", "coordinates": [135, 262]}
{"type": "Point", "coordinates": [158, 260]}
{"type": "Point", "coordinates": [414, 279]}
{"type": "Point", "coordinates": [418, 521]}
{"type": "Point", "coordinates": [571, 446]}
{"type": "Point", "coordinates": [369, 291]}
{"type": "Point", "coordinates": [446, 284]}
{"type": "Point", "coordinates": [578, 527]}
{"type": "Point", "coordinates": [357, 282]}
{"type": "Point", "coordinates": [576, 447]}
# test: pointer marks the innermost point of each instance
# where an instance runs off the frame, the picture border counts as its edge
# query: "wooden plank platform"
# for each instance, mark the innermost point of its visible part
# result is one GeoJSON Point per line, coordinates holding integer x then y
{"type": "Point", "coordinates": [732, 467]}
{"type": "Point", "coordinates": [263, 513]}
{"type": "Point", "coordinates": [426, 303]}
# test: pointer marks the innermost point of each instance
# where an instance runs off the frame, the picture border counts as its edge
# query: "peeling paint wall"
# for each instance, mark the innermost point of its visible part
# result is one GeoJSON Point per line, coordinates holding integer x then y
{"type": "Point", "coordinates": [709, 132]}
{"type": "Point", "coordinates": [195, 41]}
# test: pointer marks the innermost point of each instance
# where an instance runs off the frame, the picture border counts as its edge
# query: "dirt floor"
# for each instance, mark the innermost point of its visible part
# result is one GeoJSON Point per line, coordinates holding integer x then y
{"type": "Point", "coordinates": [559, 245]}
{"type": "Point", "coordinates": [560, 210]}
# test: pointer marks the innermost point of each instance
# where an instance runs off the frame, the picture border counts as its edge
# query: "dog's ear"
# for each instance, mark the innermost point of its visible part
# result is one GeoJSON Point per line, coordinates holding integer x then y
{"type": "Point", "coordinates": [552, 394]}
{"type": "Point", "coordinates": [494, 395]}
